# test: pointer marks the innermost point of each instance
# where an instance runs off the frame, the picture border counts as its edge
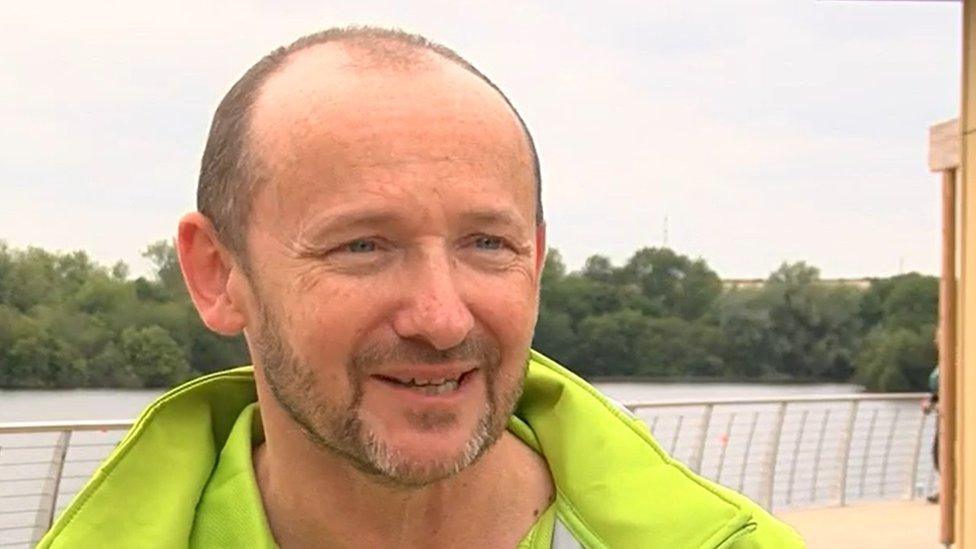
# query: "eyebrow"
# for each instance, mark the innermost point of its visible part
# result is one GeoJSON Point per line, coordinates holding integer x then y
{"type": "Point", "coordinates": [363, 219]}
{"type": "Point", "coordinates": [492, 216]}
{"type": "Point", "coordinates": [349, 220]}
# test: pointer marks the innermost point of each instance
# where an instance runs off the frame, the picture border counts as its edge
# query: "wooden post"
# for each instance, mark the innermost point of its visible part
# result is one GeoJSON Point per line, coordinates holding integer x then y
{"type": "Point", "coordinates": [947, 358]}
{"type": "Point", "coordinates": [965, 457]}
{"type": "Point", "coordinates": [945, 144]}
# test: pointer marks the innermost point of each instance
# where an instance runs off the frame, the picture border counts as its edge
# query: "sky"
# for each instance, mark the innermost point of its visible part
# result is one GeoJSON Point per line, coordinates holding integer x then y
{"type": "Point", "coordinates": [746, 133]}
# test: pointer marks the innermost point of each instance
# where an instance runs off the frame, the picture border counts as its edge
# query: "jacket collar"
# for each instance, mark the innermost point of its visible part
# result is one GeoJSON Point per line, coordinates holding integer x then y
{"type": "Point", "coordinates": [615, 486]}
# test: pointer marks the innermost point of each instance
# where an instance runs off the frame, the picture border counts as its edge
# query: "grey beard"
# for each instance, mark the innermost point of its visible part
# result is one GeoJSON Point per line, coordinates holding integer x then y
{"type": "Point", "coordinates": [341, 431]}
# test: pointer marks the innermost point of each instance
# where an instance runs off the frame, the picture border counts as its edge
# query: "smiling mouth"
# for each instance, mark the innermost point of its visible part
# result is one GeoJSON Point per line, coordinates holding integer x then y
{"type": "Point", "coordinates": [428, 386]}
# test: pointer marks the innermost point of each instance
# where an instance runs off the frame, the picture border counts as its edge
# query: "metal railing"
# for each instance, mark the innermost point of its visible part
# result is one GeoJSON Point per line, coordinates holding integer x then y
{"type": "Point", "coordinates": [802, 450]}
{"type": "Point", "coordinates": [782, 452]}
{"type": "Point", "coordinates": [42, 465]}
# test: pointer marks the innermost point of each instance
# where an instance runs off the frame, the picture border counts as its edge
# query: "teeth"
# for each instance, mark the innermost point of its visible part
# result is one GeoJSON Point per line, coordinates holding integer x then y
{"type": "Point", "coordinates": [433, 389]}
{"type": "Point", "coordinates": [427, 382]}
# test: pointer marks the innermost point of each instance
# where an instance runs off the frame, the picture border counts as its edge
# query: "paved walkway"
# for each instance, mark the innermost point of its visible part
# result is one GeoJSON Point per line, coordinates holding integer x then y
{"type": "Point", "coordinates": [889, 524]}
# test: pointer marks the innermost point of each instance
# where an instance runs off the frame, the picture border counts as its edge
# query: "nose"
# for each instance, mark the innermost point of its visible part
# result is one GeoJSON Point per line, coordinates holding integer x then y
{"type": "Point", "coordinates": [433, 310]}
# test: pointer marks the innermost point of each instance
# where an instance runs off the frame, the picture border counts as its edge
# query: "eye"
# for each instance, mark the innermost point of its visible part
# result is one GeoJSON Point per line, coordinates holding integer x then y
{"type": "Point", "coordinates": [360, 245]}
{"type": "Point", "coordinates": [485, 242]}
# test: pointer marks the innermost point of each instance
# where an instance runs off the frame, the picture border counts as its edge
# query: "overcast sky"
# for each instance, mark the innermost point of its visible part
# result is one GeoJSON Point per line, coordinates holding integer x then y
{"type": "Point", "coordinates": [765, 131]}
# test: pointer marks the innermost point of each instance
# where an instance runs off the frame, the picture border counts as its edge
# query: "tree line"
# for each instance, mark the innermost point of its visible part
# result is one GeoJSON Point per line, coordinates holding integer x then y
{"type": "Point", "coordinates": [665, 315]}
{"type": "Point", "coordinates": [66, 321]}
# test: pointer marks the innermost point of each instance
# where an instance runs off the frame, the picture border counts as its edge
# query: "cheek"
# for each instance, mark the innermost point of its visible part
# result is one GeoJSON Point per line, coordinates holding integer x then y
{"type": "Point", "coordinates": [327, 327]}
{"type": "Point", "coordinates": [507, 313]}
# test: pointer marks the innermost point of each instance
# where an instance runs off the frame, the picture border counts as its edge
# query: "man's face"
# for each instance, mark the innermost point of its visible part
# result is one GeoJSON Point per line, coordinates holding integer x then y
{"type": "Point", "coordinates": [394, 261]}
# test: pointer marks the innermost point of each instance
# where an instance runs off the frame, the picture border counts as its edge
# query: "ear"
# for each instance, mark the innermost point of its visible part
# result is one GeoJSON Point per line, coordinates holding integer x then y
{"type": "Point", "coordinates": [207, 269]}
{"type": "Point", "coordinates": [540, 250]}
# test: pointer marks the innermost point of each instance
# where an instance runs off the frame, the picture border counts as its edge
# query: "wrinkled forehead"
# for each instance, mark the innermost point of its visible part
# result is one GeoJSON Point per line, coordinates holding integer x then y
{"type": "Point", "coordinates": [333, 113]}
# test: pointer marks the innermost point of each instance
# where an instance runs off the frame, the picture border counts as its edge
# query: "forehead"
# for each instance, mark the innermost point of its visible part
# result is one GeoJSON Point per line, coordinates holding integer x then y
{"type": "Point", "coordinates": [332, 114]}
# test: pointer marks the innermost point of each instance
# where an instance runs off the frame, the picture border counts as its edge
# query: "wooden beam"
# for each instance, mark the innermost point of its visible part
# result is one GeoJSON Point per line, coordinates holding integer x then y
{"type": "Point", "coordinates": [944, 145]}
{"type": "Point", "coordinates": [947, 359]}
{"type": "Point", "coordinates": [965, 451]}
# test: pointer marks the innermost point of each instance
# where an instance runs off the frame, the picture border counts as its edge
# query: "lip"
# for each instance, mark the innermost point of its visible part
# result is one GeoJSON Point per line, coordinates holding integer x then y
{"type": "Point", "coordinates": [468, 379]}
{"type": "Point", "coordinates": [425, 372]}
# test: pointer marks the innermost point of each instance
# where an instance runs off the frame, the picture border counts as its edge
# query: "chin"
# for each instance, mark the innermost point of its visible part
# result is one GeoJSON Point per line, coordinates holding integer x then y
{"type": "Point", "coordinates": [418, 459]}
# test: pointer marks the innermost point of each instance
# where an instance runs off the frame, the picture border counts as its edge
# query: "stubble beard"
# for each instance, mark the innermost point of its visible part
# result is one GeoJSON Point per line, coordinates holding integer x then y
{"type": "Point", "coordinates": [340, 429]}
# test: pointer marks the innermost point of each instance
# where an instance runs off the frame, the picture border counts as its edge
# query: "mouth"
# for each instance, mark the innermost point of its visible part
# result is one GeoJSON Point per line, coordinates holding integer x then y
{"type": "Point", "coordinates": [428, 385]}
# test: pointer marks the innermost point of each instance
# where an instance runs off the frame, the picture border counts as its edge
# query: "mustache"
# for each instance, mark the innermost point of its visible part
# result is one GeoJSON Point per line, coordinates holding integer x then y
{"type": "Point", "coordinates": [475, 348]}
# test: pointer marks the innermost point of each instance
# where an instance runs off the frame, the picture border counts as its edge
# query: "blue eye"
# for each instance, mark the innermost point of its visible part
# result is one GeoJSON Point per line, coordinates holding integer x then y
{"type": "Point", "coordinates": [361, 246]}
{"type": "Point", "coordinates": [489, 243]}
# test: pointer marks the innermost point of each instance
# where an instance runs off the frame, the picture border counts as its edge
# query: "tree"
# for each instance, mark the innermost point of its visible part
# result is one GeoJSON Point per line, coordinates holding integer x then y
{"type": "Point", "coordinates": [896, 359]}
{"type": "Point", "coordinates": [674, 347]}
{"type": "Point", "coordinates": [599, 268]}
{"type": "Point", "coordinates": [30, 278]}
{"type": "Point", "coordinates": [609, 343]}
{"type": "Point", "coordinates": [163, 255]}
{"type": "Point", "coordinates": [674, 284]}
{"type": "Point", "coordinates": [554, 335]}
{"type": "Point", "coordinates": [581, 297]}
{"type": "Point", "coordinates": [154, 356]}
{"type": "Point", "coordinates": [744, 321]}
{"type": "Point", "coordinates": [41, 360]}
{"type": "Point", "coordinates": [815, 328]}
{"type": "Point", "coordinates": [904, 301]}
{"type": "Point", "coordinates": [209, 351]}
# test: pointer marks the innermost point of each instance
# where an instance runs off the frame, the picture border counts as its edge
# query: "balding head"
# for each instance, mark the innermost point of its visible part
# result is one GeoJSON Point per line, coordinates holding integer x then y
{"type": "Point", "coordinates": [236, 160]}
{"type": "Point", "coordinates": [380, 197]}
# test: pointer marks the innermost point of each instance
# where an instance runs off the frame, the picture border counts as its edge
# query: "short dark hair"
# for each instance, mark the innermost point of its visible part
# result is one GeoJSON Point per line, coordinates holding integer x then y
{"type": "Point", "coordinates": [230, 172]}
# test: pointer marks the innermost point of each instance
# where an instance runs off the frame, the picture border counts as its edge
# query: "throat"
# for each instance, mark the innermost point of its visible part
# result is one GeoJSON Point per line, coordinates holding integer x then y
{"type": "Point", "coordinates": [310, 494]}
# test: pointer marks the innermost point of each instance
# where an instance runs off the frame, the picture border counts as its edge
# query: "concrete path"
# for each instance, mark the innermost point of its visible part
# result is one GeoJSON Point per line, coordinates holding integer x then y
{"type": "Point", "coordinates": [889, 524]}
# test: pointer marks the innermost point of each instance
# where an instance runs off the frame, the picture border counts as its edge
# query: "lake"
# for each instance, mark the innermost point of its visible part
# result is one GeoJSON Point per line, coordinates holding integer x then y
{"type": "Point", "coordinates": [86, 404]}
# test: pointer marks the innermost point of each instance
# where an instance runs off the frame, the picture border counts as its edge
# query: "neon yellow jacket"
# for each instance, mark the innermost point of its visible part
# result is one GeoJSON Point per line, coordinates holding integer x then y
{"type": "Point", "coordinates": [615, 487]}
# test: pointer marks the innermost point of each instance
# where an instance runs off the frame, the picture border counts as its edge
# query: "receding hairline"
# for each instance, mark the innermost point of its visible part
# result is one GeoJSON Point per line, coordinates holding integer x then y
{"type": "Point", "coordinates": [341, 59]}
{"type": "Point", "coordinates": [231, 169]}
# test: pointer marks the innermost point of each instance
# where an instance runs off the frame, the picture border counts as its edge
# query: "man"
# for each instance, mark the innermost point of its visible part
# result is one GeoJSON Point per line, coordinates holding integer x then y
{"type": "Point", "coordinates": [370, 218]}
{"type": "Point", "coordinates": [930, 404]}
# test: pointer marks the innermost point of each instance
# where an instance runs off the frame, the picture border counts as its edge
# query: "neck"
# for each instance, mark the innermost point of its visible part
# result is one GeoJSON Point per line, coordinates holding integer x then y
{"type": "Point", "coordinates": [314, 497]}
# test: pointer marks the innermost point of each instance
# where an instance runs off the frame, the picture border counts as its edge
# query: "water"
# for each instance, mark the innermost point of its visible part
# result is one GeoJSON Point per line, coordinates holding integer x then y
{"type": "Point", "coordinates": [102, 404]}
{"type": "Point", "coordinates": [73, 405]}
{"type": "Point", "coordinates": [629, 392]}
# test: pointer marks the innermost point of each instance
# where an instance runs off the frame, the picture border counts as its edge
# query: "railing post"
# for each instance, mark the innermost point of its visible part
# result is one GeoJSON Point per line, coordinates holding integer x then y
{"type": "Point", "coordinates": [885, 455]}
{"type": "Point", "coordinates": [915, 453]}
{"type": "Point", "coordinates": [696, 460]}
{"type": "Point", "coordinates": [796, 453]}
{"type": "Point", "coordinates": [867, 452]}
{"type": "Point", "coordinates": [725, 447]}
{"type": "Point", "coordinates": [845, 452]}
{"type": "Point", "coordinates": [774, 456]}
{"type": "Point", "coordinates": [677, 433]}
{"type": "Point", "coordinates": [748, 453]}
{"type": "Point", "coordinates": [49, 494]}
{"type": "Point", "coordinates": [816, 455]}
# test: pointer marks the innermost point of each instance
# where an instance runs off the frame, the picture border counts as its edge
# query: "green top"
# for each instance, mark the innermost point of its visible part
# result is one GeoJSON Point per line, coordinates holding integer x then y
{"type": "Point", "coordinates": [232, 497]}
{"type": "Point", "coordinates": [179, 478]}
